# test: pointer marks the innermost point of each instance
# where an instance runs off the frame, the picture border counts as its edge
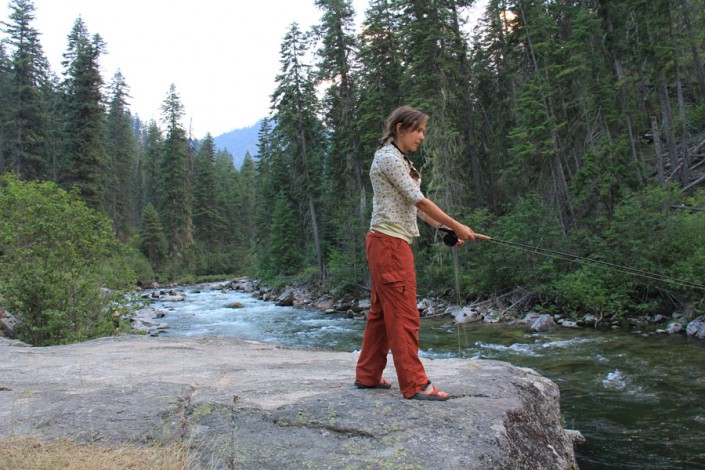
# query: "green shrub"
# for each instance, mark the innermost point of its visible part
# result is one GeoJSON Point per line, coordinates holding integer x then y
{"type": "Point", "coordinates": [62, 271]}
{"type": "Point", "coordinates": [495, 267]}
{"type": "Point", "coordinates": [591, 290]}
{"type": "Point", "coordinates": [345, 274]}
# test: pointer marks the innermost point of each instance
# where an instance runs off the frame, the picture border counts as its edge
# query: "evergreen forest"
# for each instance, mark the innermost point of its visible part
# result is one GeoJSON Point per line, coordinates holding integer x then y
{"type": "Point", "coordinates": [573, 125]}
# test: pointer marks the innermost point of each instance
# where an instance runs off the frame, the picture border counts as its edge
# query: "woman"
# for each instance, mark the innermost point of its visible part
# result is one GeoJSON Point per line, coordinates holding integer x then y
{"type": "Point", "coordinates": [393, 320]}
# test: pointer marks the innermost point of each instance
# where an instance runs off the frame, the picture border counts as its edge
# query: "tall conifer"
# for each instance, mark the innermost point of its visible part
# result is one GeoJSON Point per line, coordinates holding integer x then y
{"type": "Point", "coordinates": [25, 150]}
{"type": "Point", "coordinates": [380, 75]}
{"type": "Point", "coordinates": [152, 240]}
{"type": "Point", "coordinates": [299, 130]}
{"type": "Point", "coordinates": [121, 149]}
{"type": "Point", "coordinates": [345, 187]}
{"type": "Point", "coordinates": [208, 222]}
{"type": "Point", "coordinates": [174, 174]}
{"type": "Point", "coordinates": [5, 109]}
{"type": "Point", "coordinates": [153, 150]}
{"type": "Point", "coordinates": [83, 161]}
{"type": "Point", "coordinates": [434, 50]}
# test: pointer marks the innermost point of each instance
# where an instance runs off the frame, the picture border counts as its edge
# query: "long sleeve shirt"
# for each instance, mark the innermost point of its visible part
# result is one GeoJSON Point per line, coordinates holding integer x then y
{"type": "Point", "coordinates": [396, 185]}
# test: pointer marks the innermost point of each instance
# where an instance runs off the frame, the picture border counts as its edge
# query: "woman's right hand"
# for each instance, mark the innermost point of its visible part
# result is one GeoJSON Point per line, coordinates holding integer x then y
{"type": "Point", "coordinates": [463, 232]}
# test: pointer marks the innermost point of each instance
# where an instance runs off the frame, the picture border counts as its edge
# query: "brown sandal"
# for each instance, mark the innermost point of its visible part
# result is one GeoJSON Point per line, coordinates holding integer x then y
{"type": "Point", "coordinates": [382, 384]}
{"type": "Point", "coordinates": [433, 395]}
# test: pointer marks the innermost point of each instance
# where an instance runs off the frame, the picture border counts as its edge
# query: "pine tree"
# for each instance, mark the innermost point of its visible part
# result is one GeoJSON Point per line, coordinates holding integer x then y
{"type": "Point", "coordinates": [209, 225]}
{"type": "Point", "coordinates": [174, 173]}
{"type": "Point", "coordinates": [83, 161]}
{"type": "Point", "coordinates": [245, 215]}
{"type": "Point", "coordinates": [283, 240]}
{"type": "Point", "coordinates": [434, 50]}
{"type": "Point", "coordinates": [26, 109]}
{"type": "Point", "coordinates": [596, 163]}
{"type": "Point", "coordinates": [233, 255]}
{"type": "Point", "coordinates": [121, 154]}
{"type": "Point", "coordinates": [5, 107]}
{"type": "Point", "coordinates": [380, 75]}
{"type": "Point", "coordinates": [537, 150]}
{"type": "Point", "coordinates": [152, 240]}
{"type": "Point", "coordinates": [265, 194]}
{"type": "Point", "coordinates": [295, 109]}
{"type": "Point", "coordinates": [493, 85]}
{"type": "Point", "coordinates": [137, 177]}
{"type": "Point", "coordinates": [345, 193]}
{"type": "Point", "coordinates": [153, 145]}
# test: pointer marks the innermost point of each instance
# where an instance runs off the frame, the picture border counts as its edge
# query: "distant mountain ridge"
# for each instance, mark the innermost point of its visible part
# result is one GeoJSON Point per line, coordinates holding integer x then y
{"type": "Point", "coordinates": [239, 142]}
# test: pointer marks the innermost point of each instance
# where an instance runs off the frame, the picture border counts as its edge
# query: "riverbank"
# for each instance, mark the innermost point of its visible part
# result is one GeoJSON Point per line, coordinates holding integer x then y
{"type": "Point", "coordinates": [498, 310]}
{"type": "Point", "coordinates": [495, 311]}
{"type": "Point", "coordinates": [247, 404]}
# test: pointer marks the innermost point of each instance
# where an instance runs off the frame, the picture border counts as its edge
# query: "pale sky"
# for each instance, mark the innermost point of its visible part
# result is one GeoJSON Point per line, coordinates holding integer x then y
{"type": "Point", "coordinates": [222, 56]}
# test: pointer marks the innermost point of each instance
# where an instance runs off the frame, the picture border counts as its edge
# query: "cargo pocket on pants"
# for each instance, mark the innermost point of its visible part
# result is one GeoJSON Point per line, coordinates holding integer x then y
{"type": "Point", "coordinates": [394, 281]}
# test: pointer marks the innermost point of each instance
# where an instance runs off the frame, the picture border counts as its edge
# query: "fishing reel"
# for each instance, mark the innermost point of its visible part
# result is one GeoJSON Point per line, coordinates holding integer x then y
{"type": "Point", "coordinates": [450, 238]}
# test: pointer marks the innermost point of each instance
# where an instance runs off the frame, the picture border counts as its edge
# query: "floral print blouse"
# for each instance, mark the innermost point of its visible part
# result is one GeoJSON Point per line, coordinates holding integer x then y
{"type": "Point", "coordinates": [397, 189]}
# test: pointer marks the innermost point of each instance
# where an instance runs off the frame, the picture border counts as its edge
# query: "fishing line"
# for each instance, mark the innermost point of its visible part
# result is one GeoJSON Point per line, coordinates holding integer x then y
{"type": "Point", "coordinates": [597, 262]}
{"type": "Point", "coordinates": [451, 236]}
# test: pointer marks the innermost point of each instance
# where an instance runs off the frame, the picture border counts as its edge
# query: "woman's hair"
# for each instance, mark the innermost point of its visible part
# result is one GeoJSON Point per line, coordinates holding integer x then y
{"type": "Point", "coordinates": [409, 118]}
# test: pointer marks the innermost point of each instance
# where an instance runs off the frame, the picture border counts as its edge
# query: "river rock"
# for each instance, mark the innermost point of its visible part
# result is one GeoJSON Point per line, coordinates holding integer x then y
{"type": "Point", "coordinates": [145, 321]}
{"type": "Point", "coordinates": [674, 327]}
{"type": "Point", "coordinates": [530, 317]}
{"type": "Point", "coordinates": [8, 322]}
{"type": "Point", "coordinates": [492, 316]}
{"type": "Point", "coordinates": [543, 324]}
{"type": "Point", "coordinates": [246, 285]}
{"type": "Point", "coordinates": [467, 315]}
{"type": "Point", "coordinates": [257, 405]}
{"type": "Point", "coordinates": [430, 311]}
{"type": "Point", "coordinates": [173, 298]}
{"type": "Point", "coordinates": [286, 298]}
{"type": "Point", "coordinates": [325, 303]}
{"type": "Point", "coordinates": [424, 303]}
{"type": "Point", "coordinates": [696, 327]}
{"type": "Point", "coordinates": [362, 306]}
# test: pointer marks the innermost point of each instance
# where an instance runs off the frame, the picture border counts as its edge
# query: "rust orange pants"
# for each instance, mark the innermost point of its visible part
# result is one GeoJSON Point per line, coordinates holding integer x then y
{"type": "Point", "coordinates": [393, 320]}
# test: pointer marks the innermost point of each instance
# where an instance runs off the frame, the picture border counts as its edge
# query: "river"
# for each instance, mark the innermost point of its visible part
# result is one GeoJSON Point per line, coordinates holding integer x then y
{"type": "Point", "coordinates": [639, 401]}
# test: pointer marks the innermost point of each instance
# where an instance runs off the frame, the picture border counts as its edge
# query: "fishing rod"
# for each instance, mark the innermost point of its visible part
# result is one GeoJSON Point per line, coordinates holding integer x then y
{"type": "Point", "coordinates": [451, 239]}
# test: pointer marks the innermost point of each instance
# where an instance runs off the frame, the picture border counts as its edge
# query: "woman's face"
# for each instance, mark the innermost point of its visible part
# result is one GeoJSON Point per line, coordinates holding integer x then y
{"type": "Point", "coordinates": [409, 140]}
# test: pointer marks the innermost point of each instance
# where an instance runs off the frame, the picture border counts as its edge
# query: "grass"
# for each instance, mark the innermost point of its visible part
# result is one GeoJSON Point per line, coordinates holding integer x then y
{"type": "Point", "coordinates": [28, 453]}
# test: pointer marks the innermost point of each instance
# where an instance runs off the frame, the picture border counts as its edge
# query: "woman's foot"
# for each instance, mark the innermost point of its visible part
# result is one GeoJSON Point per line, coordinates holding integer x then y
{"type": "Point", "coordinates": [382, 384]}
{"type": "Point", "coordinates": [429, 392]}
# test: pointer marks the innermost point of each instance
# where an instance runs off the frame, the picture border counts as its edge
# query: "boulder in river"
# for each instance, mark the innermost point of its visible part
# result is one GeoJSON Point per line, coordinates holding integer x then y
{"type": "Point", "coordinates": [696, 327]}
{"type": "Point", "coordinates": [467, 315]}
{"type": "Point", "coordinates": [543, 324]}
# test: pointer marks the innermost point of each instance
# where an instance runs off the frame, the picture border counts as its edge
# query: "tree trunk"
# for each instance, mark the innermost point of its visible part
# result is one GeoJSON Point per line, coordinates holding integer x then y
{"type": "Point", "coordinates": [558, 173]}
{"type": "Point", "coordinates": [697, 63]}
{"type": "Point", "coordinates": [661, 177]}
{"type": "Point", "coordinates": [322, 271]}
{"type": "Point", "coordinates": [681, 108]}
{"type": "Point", "coordinates": [667, 120]}
{"type": "Point", "coordinates": [467, 107]}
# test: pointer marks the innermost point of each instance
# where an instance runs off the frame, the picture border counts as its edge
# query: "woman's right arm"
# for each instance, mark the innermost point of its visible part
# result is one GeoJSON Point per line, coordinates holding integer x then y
{"type": "Point", "coordinates": [430, 208]}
